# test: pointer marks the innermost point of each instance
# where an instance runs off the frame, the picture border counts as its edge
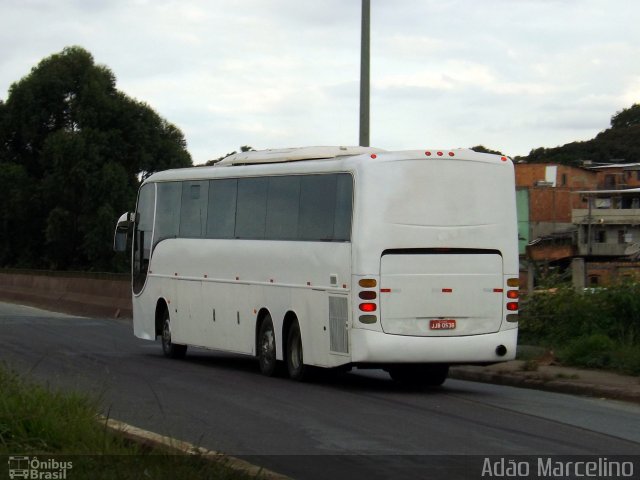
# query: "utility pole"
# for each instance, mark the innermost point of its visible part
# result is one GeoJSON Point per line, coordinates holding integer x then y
{"type": "Point", "coordinates": [364, 73]}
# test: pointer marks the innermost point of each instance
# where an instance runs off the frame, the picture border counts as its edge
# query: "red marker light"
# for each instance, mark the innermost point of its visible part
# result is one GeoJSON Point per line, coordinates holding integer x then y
{"type": "Point", "coordinates": [373, 155]}
{"type": "Point", "coordinates": [512, 294]}
{"type": "Point", "coordinates": [440, 154]}
{"type": "Point", "coordinates": [428, 154]}
{"type": "Point", "coordinates": [504, 159]}
{"type": "Point", "coordinates": [368, 307]}
{"type": "Point", "coordinates": [451, 154]}
{"type": "Point", "coordinates": [512, 306]}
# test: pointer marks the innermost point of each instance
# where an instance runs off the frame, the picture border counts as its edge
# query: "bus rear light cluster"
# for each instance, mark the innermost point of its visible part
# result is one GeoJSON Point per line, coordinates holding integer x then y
{"type": "Point", "coordinates": [370, 306]}
{"type": "Point", "coordinates": [512, 295]}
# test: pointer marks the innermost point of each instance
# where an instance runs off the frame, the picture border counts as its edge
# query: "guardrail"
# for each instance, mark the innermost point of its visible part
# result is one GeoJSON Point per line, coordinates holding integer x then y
{"type": "Point", "coordinates": [77, 293]}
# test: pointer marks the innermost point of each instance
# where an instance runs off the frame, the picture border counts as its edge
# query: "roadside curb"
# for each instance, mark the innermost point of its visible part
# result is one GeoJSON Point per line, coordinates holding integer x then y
{"type": "Point", "coordinates": [152, 439]}
{"type": "Point", "coordinates": [543, 382]}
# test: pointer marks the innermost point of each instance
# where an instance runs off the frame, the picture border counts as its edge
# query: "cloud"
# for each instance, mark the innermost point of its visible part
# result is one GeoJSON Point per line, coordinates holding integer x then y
{"type": "Point", "coordinates": [510, 75]}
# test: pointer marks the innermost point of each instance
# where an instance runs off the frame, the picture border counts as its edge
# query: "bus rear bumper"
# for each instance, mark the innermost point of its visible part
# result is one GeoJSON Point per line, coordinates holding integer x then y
{"type": "Point", "coordinates": [369, 346]}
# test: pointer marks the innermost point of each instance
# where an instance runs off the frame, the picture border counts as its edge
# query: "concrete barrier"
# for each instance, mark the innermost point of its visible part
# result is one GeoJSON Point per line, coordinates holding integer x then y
{"type": "Point", "coordinates": [77, 293]}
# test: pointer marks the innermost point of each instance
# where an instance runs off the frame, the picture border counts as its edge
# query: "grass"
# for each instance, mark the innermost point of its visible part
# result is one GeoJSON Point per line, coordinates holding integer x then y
{"type": "Point", "coordinates": [39, 421]}
{"type": "Point", "coordinates": [529, 366]}
{"type": "Point", "coordinates": [591, 329]}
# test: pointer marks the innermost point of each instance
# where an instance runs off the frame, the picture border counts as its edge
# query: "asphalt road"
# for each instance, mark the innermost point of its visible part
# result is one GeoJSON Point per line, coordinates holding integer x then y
{"type": "Point", "coordinates": [356, 425]}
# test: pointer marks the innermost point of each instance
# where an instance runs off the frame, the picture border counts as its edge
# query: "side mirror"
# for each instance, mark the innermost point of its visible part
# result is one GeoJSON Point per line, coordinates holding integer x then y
{"type": "Point", "coordinates": [123, 229]}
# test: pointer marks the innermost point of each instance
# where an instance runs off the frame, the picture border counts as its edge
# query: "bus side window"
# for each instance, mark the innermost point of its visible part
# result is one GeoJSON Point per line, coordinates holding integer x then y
{"type": "Point", "coordinates": [221, 217]}
{"type": "Point", "coordinates": [193, 209]}
{"type": "Point", "coordinates": [344, 208]}
{"type": "Point", "coordinates": [317, 207]}
{"type": "Point", "coordinates": [167, 211]}
{"type": "Point", "coordinates": [251, 210]}
{"type": "Point", "coordinates": [282, 208]}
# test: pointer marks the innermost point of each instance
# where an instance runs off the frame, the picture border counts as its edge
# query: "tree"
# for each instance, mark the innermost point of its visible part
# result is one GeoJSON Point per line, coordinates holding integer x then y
{"type": "Point", "coordinates": [72, 152]}
{"type": "Point", "coordinates": [621, 142]}
{"type": "Point", "coordinates": [483, 149]}
{"type": "Point", "coordinates": [627, 117]}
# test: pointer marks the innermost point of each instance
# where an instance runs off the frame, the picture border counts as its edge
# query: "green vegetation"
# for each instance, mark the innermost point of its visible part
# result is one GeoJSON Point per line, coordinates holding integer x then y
{"type": "Point", "coordinates": [621, 141]}
{"type": "Point", "coordinates": [72, 151]}
{"type": "Point", "coordinates": [596, 328]}
{"type": "Point", "coordinates": [37, 421]}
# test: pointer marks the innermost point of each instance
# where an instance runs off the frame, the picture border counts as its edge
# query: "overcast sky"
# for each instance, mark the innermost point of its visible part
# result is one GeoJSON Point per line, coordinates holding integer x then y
{"type": "Point", "coordinates": [508, 74]}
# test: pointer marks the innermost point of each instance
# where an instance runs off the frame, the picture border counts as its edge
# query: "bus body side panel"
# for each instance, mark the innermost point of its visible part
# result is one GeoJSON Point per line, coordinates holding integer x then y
{"type": "Point", "coordinates": [144, 314]}
{"type": "Point", "coordinates": [221, 285]}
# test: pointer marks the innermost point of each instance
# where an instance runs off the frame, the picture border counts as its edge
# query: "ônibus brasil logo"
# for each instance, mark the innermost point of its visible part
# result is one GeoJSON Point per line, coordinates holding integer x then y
{"type": "Point", "coordinates": [36, 469]}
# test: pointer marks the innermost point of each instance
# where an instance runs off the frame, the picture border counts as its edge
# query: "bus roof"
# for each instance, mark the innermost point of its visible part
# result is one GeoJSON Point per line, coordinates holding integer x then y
{"type": "Point", "coordinates": [313, 159]}
{"type": "Point", "coordinates": [293, 154]}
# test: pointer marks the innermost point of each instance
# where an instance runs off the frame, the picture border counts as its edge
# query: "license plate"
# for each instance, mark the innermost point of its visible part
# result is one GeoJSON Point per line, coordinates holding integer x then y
{"type": "Point", "coordinates": [447, 324]}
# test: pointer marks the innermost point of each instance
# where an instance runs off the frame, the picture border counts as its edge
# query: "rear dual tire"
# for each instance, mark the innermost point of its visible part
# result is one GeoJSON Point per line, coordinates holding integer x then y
{"type": "Point", "coordinates": [420, 375]}
{"type": "Point", "coordinates": [295, 359]}
{"type": "Point", "coordinates": [269, 365]}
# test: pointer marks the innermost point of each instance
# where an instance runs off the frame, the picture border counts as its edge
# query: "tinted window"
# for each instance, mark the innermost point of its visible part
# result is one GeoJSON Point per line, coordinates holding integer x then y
{"type": "Point", "coordinates": [167, 211]}
{"type": "Point", "coordinates": [344, 208]}
{"type": "Point", "coordinates": [293, 207]}
{"type": "Point", "coordinates": [317, 207]}
{"type": "Point", "coordinates": [221, 221]}
{"type": "Point", "coordinates": [193, 211]}
{"type": "Point", "coordinates": [251, 208]}
{"type": "Point", "coordinates": [282, 208]}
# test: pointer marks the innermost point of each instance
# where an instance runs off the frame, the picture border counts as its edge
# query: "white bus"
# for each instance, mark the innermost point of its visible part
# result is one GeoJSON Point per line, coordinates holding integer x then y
{"type": "Point", "coordinates": [331, 257]}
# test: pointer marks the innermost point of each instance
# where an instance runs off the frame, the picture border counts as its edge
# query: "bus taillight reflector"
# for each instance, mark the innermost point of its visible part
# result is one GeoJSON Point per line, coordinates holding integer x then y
{"type": "Point", "coordinates": [512, 306]}
{"type": "Point", "coordinates": [368, 307]}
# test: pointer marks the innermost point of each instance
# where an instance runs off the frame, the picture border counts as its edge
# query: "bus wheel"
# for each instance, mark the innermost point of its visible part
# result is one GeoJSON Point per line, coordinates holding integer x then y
{"type": "Point", "coordinates": [294, 357]}
{"type": "Point", "coordinates": [169, 348]}
{"type": "Point", "coordinates": [435, 375]}
{"type": "Point", "coordinates": [420, 375]}
{"type": "Point", "coordinates": [267, 348]}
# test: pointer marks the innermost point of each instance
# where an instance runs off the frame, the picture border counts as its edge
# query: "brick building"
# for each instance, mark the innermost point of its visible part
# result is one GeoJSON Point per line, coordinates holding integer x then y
{"type": "Point", "coordinates": [586, 218]}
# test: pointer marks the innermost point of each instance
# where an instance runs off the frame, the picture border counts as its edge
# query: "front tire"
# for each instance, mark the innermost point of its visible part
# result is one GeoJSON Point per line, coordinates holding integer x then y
{"type": "Point", "coordinates": [170, 349]}
{"type": "Point", "coordinates": [295, 359]}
